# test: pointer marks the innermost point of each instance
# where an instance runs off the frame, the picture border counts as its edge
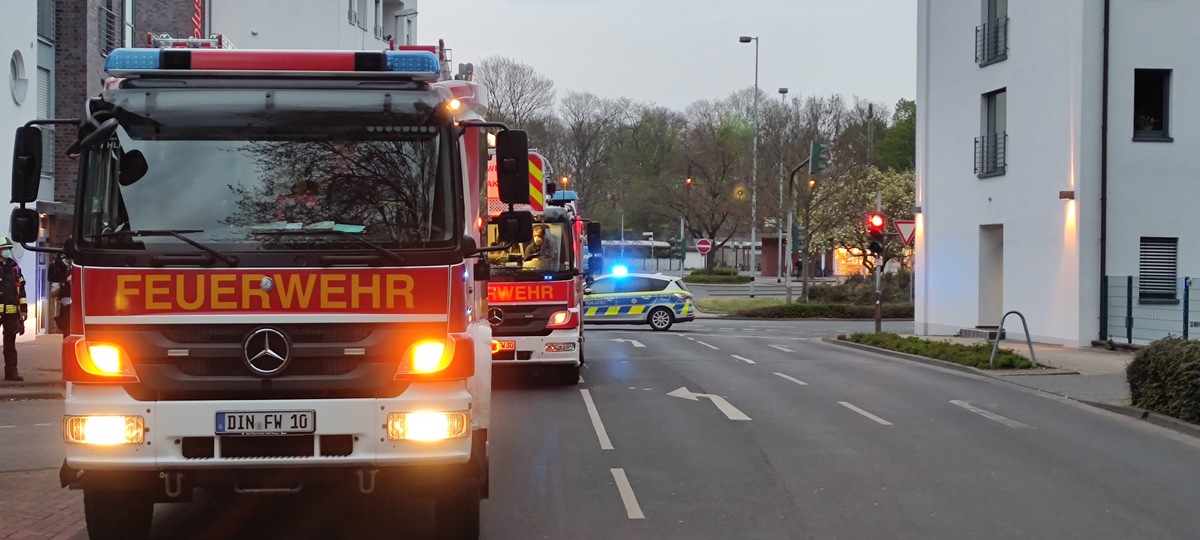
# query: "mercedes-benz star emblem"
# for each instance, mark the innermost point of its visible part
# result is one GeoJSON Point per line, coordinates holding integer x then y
{"type": "Point", "coordinates": [495, 316]}
{"type": "Point", "coordinates": [267, 351]}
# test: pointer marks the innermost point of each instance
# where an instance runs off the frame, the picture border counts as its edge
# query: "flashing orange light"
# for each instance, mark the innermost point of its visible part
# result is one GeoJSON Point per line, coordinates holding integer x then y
{"type": "Point", "coordinates": [812, 184]}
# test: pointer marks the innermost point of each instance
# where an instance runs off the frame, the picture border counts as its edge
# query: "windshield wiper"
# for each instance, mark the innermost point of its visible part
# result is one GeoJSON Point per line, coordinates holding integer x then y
{"type": "Point", "coordinates": [305, 232]}
{"type": "Point", "coordinates": [229, 259]}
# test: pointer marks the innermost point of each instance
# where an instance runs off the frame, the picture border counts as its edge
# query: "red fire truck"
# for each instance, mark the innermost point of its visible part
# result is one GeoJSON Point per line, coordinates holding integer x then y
{"type": "Point", "coordinates": [279, 279]}
{"type": "Point", "coordinates": [536, 288]}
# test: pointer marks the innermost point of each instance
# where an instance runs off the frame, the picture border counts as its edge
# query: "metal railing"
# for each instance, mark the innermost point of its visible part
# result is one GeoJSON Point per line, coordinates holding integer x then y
{"type": "Point", "coordinates": [991, 41]}
{"type": "Point", "coordinates": [352, 16]}
{"type": "Point", "coordinates": [991, 154]}
{"type": "Point", "coordinates": [111, 30]}
{"type": "Point", "coordinates": [1134, 320]}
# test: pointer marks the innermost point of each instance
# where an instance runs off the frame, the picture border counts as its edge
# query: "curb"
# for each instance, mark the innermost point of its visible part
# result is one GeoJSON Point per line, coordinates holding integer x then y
{"type": "Point", "coordinates": [1153, 418]}
{"type": "Point", "coordinates": [733, 318]}
{"type": "Point", "coordinates": [17, 396]}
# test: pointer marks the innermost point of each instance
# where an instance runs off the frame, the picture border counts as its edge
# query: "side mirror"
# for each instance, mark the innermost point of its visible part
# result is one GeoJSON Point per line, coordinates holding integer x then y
{"type": "Point", "coordinates": [101, 134]}
{"type": "Point", "coordinates": [483, 270]}
{"type": "Point", "coordinates": [551, 189]}
{"type": "Point", "coordinates": [27, 164]}
{"type": "Point", "coordinates": [595, 244]}
{"type": "Point", "coordinates": [516, 227]}
{"type": "Point", "coordinates": [23, 225]}
{"type": "Point", "coordinates": [512, 166]}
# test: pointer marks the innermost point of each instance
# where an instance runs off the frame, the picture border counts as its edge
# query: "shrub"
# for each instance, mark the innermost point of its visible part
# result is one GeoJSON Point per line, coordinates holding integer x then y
{"type": "Point", "coordinates": [826, 311]}
{"type": "Point", "coordinates": [709, 278]}
{"type": "Point", "coordinates": [976, 356]}
{"type": "Point", "coordinates": [717, 271]}
{"type": "Point", "coordinates": [1164, 377]}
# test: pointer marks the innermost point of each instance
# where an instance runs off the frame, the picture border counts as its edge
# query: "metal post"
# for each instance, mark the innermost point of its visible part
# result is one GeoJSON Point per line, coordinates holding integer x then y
{"type": "Point", "coordinates": [779, 224]}
{"type": "Point", "coordinates": [754, 177]}
{"type": "Point", "coordinates": [1187, 286]}
{"type": "Point", "coordinates": [1129, 309]}
{"type": "Point", "coordinates": [878, 274]}
{"type": "Point", "coordinates": [788, 259]}
{"type": "Point", "coordinates": [687, 216]}
{"type": "Point", "coordinates": [805, 263]}
{"type": "Point", "coordinates": [622, 235]}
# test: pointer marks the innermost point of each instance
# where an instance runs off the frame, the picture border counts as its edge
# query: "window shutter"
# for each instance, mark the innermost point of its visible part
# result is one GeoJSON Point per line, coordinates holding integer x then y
{"type": "Point", "coordinates": [1157, 268]}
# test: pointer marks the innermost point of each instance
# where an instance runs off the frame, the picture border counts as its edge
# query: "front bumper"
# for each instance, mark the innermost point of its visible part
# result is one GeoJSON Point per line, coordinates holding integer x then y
{"type": "Point", "coordinates": [176, 429]}
{"type": "Point", "coordinates": [532, 350]}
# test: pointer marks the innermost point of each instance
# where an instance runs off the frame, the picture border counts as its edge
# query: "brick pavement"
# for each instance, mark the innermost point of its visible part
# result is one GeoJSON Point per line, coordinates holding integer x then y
{"type": "Point", "coordinates": [32, 506]}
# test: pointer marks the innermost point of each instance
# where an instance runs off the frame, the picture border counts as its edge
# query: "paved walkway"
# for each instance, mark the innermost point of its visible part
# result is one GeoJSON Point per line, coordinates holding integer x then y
{"type": "Point", "coordinates": [40, 362]}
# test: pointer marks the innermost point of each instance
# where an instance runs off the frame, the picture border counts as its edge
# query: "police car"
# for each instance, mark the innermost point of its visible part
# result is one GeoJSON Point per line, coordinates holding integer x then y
{"type": "Point", "coordinates": [624, 298]}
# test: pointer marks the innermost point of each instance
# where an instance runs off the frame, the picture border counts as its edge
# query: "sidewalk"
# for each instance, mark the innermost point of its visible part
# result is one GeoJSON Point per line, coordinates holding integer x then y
{"type": "Point", "coordinates": [1088, 374]}
{"type": "Point", "coordinates": [40, 362]}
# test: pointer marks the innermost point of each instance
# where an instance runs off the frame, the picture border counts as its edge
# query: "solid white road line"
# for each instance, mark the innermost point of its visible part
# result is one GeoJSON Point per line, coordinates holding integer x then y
{"type": "Point", "coordinates": [707, 345]}
{"type": "Point", "coordinates": [988, 414]}
{"type": "Point", "coordinates": [601, 434]}
{"type": "Point", "coordinates": [793, 379]}
{"type": "Point", "coordinates": [631, 505]}
{"type": "Point", "coordinates": [746, 360]}
{"type": "Point", "coordinates": [42, 425]}
{"type": "Point", "coordinates": [782, 348]}
{"type": "Point", "coordinates": [865, 413]}
{"type": "Point", "coordinates": [6, 427]}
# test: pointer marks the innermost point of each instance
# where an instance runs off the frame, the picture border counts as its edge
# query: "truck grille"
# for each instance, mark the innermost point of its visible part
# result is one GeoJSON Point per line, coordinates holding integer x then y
{"type": "Point", "coordinates": [267, 446]}
{"type": "Point", "coordinates": [524, 320]}
{"type": "Point", "coordinates": [235, 333]}
{"type": "Point", "coordinates": [232, 367]}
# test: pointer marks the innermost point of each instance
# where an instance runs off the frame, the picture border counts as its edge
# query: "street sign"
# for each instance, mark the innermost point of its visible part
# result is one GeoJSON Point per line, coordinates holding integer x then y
{"type": "Point", "coordinates": [907, 230]}
{"type": "Point", "coordinates": [704, 245]}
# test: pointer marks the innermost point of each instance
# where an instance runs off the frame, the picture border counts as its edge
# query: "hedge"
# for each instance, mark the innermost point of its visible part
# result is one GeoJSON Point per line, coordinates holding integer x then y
{"type": "Point", "coordinates": [826, 311]}
{"type": "Point", "coordinates": [710, 278]}
{"type": "Point", "coordinates": [976, 356]}
{"type": "Point", "coordinates": [1164, 377]}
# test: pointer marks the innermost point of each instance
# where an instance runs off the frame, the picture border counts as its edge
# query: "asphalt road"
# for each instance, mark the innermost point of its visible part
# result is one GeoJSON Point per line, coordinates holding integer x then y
{"type": "Point", "coordinates": [744, 429]}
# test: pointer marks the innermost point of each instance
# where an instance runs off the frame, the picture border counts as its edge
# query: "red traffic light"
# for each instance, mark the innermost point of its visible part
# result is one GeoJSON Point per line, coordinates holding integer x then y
{"type": "Point", "coordinates": [875, 221]}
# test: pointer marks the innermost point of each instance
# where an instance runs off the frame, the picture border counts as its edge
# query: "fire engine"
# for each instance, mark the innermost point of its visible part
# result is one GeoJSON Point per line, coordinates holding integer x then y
{"type": "Point", "coordinates": [280, 281]}
{"type": "Point", "coordinates": [536, 289]}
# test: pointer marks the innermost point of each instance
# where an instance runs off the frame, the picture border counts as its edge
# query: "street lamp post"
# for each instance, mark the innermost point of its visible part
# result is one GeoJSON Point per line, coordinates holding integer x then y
{"type": "Point", "coordinates": [754, 176]}
{"type": "Point", "coordinates": [687, 199]}
{"type": "Point", "coordinates": [779, 224]}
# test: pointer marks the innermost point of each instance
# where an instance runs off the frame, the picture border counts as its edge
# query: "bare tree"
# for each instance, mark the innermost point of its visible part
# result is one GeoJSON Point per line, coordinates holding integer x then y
{"type": "Point", "coordinates": [518, 93]}
{"type": "Point", "coordinates": [592, 130]}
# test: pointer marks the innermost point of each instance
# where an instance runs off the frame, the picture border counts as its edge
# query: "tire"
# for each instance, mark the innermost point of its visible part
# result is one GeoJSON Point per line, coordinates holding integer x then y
{"type": "Point", "coordinates": [661, 319]}
{"type": "Point", "coordinates": [117, 514]}
{"type": "Point", "coordinates": [456, 516]}
{"type": "Point", "coordinates": [568, 375]}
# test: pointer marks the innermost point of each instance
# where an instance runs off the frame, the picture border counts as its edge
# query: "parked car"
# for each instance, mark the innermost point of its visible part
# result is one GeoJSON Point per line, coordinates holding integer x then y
{"type": "Point", "coordinates": [622, 298]}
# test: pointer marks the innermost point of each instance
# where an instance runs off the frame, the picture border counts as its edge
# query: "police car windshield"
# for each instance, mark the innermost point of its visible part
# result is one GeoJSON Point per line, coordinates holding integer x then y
{"type": "Point", "coordinates": [548, 253]}
{"type": "Point", "coordinates": [391, 189]}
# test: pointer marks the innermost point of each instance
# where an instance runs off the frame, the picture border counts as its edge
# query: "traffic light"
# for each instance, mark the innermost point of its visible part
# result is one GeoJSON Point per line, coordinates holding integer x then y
{"type": "Point", "coordinates": [875, 225]}
{"type": "Point", "coordinates": [688, 181]}
{"type": "Point", "coordinates": [817, 160]}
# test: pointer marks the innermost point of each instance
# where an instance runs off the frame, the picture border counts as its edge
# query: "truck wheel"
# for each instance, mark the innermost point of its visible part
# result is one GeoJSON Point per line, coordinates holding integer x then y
{"type": "Point", "coordinates": [456, 516]}
{"type": "Point", "coordinates": [568, 375]}
{"type": "Point", "coordinates": [661, 319]}
{"type": "Point", "coordinates": [117, 514]}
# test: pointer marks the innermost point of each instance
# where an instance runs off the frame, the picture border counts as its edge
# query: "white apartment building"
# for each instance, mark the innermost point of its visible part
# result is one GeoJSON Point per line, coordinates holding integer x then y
{"type": "Point", "coordinates": [1058, 165]}
{"type": "Point", "coordinates": [314, 24]}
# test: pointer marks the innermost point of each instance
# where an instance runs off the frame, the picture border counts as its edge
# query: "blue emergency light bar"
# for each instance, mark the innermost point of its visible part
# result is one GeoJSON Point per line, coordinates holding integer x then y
{"type": "Point", "coordinates": [419, 65]}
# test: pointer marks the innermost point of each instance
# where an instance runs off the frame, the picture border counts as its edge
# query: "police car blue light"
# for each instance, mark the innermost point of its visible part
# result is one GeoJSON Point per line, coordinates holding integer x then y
{"type": "Point", "coordinates": [620, 271]}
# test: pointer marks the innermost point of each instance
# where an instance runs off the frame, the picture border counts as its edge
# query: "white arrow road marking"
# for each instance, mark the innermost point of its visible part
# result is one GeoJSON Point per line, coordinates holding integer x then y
{"type": "Point", "coordinates": [793, 379]}
{"type": "Point", "coordinates": [707, 345]}
{"type": "Point", "coordinates": [631, 505]}
{"type": "Point", "coordinates": [601, 433]}
{"type": "Point", "coordinates": [988, 414]}
{"type": "Point", "coordinates": [637, 344]}
{"type": "Point", "coordinates": [725, 407]}
{"type": "Point", "coordinates": [782, 348]}
{"type": "Point", "coordinates": [746, 360]}
{"type": "Point", "coordinates": [865, 413]}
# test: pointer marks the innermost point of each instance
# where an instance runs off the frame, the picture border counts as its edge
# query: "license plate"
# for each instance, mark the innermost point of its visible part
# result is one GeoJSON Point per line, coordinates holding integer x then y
{"type": "Point", "coordinates": [503, 345]}
{"type": "Point", "coordinates": [265, 422]}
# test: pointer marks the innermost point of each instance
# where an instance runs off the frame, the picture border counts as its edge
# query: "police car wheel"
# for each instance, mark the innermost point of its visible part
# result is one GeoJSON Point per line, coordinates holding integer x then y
{"type": "Point", "coordinates": [661, 319]}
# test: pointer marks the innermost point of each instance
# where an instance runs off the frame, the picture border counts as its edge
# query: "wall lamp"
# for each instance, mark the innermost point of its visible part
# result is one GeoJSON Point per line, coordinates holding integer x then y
{"type": "Point", "coordinates": [1067, 195]}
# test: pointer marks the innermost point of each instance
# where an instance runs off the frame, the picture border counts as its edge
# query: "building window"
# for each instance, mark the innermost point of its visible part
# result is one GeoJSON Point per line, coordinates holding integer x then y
{"type": "Point", "coordinates": [1151, 104]}
{"type": "Point", "coordinates": [45, 20]}
{"type": "Point", "coordinates": [362, 14]}
{"type": "Point", "coordinates": [991, 156]}
{"type": "Point", "coordinates": [378, 19]}
{"type": "Point", "coordinates": [991, 37]}
{"type": "Point", "coordinates": [1157, 270]}
{"type": "Point", "coordinates": [351, 12]}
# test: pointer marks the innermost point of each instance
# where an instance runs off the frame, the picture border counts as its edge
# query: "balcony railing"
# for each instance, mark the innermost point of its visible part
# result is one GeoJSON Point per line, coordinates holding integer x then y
{"type": "Point", "coordinates": [991, 42]}
{"type": "Point", "coordinates": [991, 154]}
{"type": "Point", "coordinates": [378, 32]}
{"type": "Point", "coordinates": [352, 16]}
{"type": "Point", "coordinates": [112, 31]}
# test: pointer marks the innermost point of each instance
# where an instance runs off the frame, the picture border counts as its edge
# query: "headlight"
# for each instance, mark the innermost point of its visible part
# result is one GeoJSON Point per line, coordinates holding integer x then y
{"type": "Point", "coordinates": [428, 425]}
{"type": "Point", "coordinates": [104, 430]}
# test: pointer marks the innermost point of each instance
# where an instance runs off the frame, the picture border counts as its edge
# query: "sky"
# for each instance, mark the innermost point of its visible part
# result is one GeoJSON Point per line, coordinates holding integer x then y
{"type": "Point", "coordinates": [675, 52]}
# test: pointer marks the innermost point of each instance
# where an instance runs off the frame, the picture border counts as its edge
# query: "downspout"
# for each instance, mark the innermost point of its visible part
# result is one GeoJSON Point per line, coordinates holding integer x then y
{"type": "Point", "coordinates": [1104, 181]}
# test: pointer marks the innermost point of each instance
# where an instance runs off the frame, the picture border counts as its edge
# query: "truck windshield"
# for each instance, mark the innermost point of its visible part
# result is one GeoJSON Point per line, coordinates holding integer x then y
{"type": "Point", "coordinates": [548, 253]}
{"type": "Point", "coordinates": [390, 187]}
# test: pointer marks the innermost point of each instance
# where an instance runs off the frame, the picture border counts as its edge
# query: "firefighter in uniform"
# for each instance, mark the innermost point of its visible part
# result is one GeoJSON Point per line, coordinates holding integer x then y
{"type": "Point", "coordinates": [13, 307]}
